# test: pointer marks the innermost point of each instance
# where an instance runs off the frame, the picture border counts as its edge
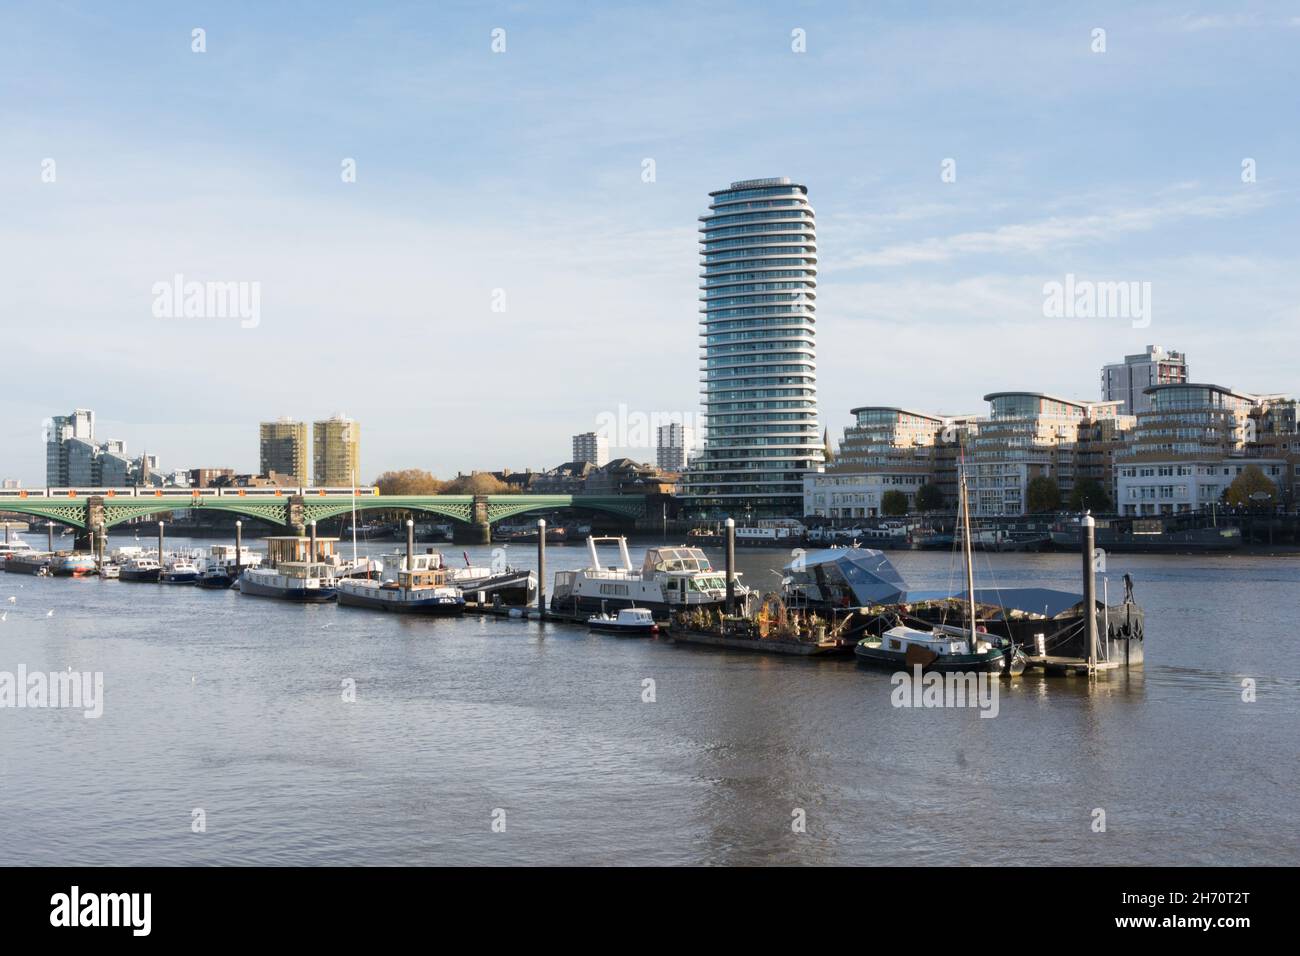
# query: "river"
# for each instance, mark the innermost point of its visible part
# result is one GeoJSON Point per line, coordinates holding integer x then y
{"type": "Point", "coordinates": [229, 712]}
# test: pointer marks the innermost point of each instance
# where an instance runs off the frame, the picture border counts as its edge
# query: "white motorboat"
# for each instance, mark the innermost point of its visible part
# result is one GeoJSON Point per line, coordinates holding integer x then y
{"type": "Point", "coordinates": [671, 579]}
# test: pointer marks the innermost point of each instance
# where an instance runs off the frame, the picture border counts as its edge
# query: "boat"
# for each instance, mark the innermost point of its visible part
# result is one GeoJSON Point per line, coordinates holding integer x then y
{"type": "Point", "coordinates": [310, 582]}
{"type": "Point", "coordinates": [122, 555]}
{"type": "Point", "coordinates": [943, 647]}
{"type": "Point", "coordinates": [180, 570]}
{"type": "Point", "coordinates": [220, 568]}
{"type": "Point", "coordinates": [632, 621]}
{"type": "Point", "coordinates": [15, 546]}
{"type": "Point", "coordinates": [294, 570]}
{"type": "Point", "coordinates": [419, 587]}
{"type": "Point", "coordinates": [67, 564]}
{"type": "Point", "coordinates": [110, 571]}
{"type": "Point", "coordinates": [482, 583]}
{"type": "Point", "coordinates": [1148, 536]}
{"type": "Point", "coordinates": [215, 577]}
{"type": "Point", "coordinates": [902, 647]}
{"type": "Point", "coordinates": [671, 579]}
{"type": "Point", "coordinates": [774, 628]}
{"type": "Point", "coordinates": [143, 567]}
{"type": "Point", "coordinates": [28, 562]}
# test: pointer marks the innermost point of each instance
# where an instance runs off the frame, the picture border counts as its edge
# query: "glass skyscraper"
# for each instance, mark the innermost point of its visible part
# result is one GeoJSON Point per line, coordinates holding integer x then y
{"type": "Point", "coordinates": [759, 302]}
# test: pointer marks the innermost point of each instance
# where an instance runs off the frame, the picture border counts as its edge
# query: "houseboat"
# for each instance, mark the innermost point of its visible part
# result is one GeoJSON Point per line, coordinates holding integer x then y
{"type": "Point", "coordinates": [479, 582]}
{"type": "Point", "coordinates": [420, 586]}
{"type": "Point", "coordinates": [294, 571]}
{"type": "Point", "coordinates": [670, 580]}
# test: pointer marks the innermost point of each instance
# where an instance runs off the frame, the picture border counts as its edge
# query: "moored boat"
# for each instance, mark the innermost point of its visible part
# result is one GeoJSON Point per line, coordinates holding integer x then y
{"type": "Point", "coordinates": [631, 621]}
{"type": "Point", "coordinates": [72, 565]}
{"type": "Point", "coordinates": [180, 570]}
{"type": "Point", "coordinates": [482, 583]}
{"type": "Point", "coordinates": [904, 647]}
{"type": "Point", "coordinates": [944, 647]}
{"type": "Point", "coordinates": [221, 567]}
{"type": "Point", "coordinates": [110, 571]}
{"type": "Point", "coordinates": [421, 588]}
{"type": "Point", "coordinates": [670, 580]}
{"type": "Point", "coordinates": [28, 562]}
{"type": "Point", "coordinates": [143, 567]}
{"type": "Point", "coordinates": [309, 582]}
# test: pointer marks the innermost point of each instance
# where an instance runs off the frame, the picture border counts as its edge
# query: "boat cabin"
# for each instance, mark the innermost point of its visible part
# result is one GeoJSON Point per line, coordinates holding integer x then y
{"type": "Point", "coordinates": [304, 570]}
{"type": "Point", "coordinates": [901, 638]}
{"type": "Point", "coordinates": [640, 616]}
{"type": "Point", "coordinates": [286, 548]}
{"type": "Point", "coordinates": [669, 560]}
{"type": "Point", "coordinates": [420, 579]}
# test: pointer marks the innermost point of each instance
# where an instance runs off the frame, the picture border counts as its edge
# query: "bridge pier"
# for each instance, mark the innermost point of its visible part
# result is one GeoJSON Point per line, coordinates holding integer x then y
{"type": "Point", "coordinates": [480, 532]}
{"type": "Point", "coordinates": [84, 538]}
{"type": "Point", "coordinates": [295, 518]}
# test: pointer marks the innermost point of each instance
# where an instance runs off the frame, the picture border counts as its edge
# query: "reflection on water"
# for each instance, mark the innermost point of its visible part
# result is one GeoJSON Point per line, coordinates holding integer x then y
{"type": "Point", "coordinates": [233, 705]}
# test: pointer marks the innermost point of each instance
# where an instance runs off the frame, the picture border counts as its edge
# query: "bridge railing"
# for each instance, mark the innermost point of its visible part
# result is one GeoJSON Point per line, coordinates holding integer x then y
{"type": "Point", "coordinates": [185, 493]}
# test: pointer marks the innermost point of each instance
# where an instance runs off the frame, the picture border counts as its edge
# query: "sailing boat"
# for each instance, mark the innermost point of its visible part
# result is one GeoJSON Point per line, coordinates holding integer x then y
{"type": "Point", "coordinates": [945, 648]}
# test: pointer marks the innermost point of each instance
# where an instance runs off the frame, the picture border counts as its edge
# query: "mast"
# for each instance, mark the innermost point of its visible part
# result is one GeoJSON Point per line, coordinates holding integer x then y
{"type": "Point", "coordinates": [970, 564]}
{"type": "Point", "coordinates": [354, 520]}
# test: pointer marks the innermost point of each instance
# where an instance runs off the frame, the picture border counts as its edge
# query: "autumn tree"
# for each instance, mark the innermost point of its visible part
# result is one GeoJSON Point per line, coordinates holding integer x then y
{"type": "Point", "coordinates": [408, 481]}
{"type": "Point", "coordinates": [479, 483]}
{"type": "Point", "coordinates": [1251, 482]}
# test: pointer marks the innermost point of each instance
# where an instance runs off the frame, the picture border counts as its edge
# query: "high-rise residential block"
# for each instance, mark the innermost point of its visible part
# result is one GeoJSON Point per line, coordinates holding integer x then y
{"type": "Point", "coordinates": [758, 253]}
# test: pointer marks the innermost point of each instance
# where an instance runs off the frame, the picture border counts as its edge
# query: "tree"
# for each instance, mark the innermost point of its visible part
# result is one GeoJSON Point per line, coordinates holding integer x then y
{"type": "Point", "coordinates": [409, 481]}
{"type": "Point", "coordinates": [929, 497]}
{"type": "Point", "coordinates": [1252, 481]}
{"type": "Point", "coordinates": [1089, 495]}
{"type": "Point", "coordinates": [480, 483]}
{"type": "Point", "coordinates": [893, 503]}
{"type": "Point", "coordinates": [1043, 494]}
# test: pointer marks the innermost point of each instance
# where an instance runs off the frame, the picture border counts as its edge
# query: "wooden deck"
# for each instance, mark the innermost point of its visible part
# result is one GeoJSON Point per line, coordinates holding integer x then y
{"type": "Point", "coordinates": [1067, 666]}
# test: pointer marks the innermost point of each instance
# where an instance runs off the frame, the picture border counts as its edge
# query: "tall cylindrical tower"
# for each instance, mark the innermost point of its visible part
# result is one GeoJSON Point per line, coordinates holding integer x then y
{"type": "Point", "coordinates": [759, 373]}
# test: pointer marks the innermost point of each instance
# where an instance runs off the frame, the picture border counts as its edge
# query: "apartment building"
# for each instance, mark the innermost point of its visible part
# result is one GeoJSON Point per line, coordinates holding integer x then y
{"type": "Point", "coordinates": [1195, 439]}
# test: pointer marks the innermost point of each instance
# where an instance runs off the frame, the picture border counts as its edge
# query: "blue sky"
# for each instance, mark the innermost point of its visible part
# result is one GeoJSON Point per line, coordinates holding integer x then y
{"type": "Point", "coordinates": [521, 171]}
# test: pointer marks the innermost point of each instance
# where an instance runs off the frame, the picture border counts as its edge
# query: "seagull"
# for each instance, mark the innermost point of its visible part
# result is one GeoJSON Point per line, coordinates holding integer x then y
{"type": "Point", "coordinates": [4, 616]}
{"type": "Point", "coordinates": [13, 600]}
{"type": "Point", "coordinates": [49, 613]}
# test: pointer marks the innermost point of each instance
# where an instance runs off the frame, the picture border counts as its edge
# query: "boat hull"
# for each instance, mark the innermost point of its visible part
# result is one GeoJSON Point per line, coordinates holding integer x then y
{"type": "Point", "coordinates": [515, 589]}
{"type": "Point", "coordinates": [149, 576]}
{"type": "Point", "coordinates": [27, 565]}
{"type": "Point", "coordinates": [758, 645]}
{"type": "Point", "coordinates": [184, 577]}
{"type": "Point", "coordinates": [215, 582]}
{"type": "Point", "coordinates": [627, 630]}
{"type": "Point", "coordinates": [991, 661]}
{"type": "Point", "coordinates": [579, 606]}
{"type": "Point", "coordinates": [322, 595]}
{"type": "Point", "coordinates": [437, 607]}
